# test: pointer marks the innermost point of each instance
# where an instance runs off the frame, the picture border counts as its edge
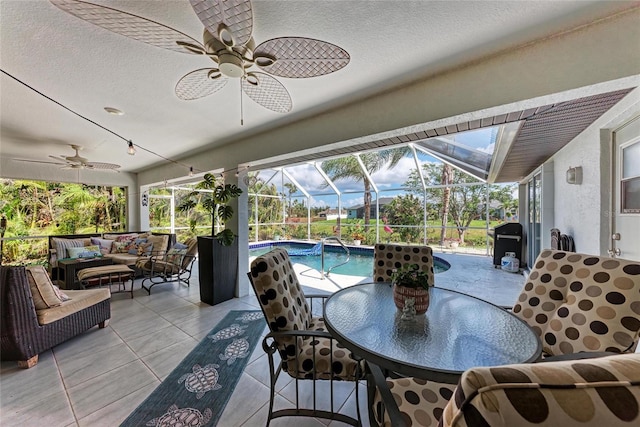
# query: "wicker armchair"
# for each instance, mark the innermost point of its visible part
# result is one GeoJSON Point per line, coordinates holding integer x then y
{"type": "Point", "coordinates": [24, 332]}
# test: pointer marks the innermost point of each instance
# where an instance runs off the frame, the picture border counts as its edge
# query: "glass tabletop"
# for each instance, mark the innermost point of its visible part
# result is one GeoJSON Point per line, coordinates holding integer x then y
{"type": "Point", "coordinates": [456, 333]}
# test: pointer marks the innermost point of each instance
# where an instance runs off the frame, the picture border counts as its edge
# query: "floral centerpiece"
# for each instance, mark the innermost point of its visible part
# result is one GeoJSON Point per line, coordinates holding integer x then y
{"type": "Point", "coordinates": [411, 283]}
{"type": "Point", "coordinates": [410, 276]}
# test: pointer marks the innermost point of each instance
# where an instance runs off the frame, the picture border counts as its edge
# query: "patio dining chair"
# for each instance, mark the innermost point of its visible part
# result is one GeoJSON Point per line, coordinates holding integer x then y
{"type": "Point", "coordinates": [596, 392]}
{"type": "Point", "coordinates": [307, 352]}
{"type": "Point", "coordinates": [582, 303]}
{"type": "Point", "coordinates": [390, 257]}
{"type": "Point", "coordinates": [577, 304]}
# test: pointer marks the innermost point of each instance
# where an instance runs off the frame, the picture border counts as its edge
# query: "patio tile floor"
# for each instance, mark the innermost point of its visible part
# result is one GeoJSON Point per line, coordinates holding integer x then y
{"type": "Point", "coordinates": [99, 377]}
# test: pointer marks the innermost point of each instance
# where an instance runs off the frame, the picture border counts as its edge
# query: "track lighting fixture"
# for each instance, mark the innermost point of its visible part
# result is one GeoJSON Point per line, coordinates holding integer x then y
{"type": "Point", "coordinates": [131, 150]}
{"type": "Point", "coordinates": [191, 171]}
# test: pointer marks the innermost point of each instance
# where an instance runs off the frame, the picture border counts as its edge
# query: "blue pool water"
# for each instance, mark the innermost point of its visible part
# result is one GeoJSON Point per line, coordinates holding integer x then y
{"type": "Point", "coordinates": [360, 264]}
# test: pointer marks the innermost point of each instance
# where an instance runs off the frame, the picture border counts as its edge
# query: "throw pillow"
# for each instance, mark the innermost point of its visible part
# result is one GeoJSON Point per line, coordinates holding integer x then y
{"type": "Point", "coordinates": [127, 237]}
{"type": "Point", "coordinates": [175, 255]}
{"type": "Point", "coordinates": [61, 245]}
{"type": "Point", "coordinates": [132, 248]}
{"type": "Point", "coordinates": [104, 244]}
{"type": "Point", "coordinates": [180, 246]}
{"type": "Point", "coordinates": [120, 247]}
{"type": "Point", "coordinates": [144, 249]}
{"type": "Point", "coordinates": [63, 297]}
{"type": "Point", "coordinates": [110, 236]}
{"type": "Point", "coordinates": [160, 242]}
{"type": "Point", "coordinates": [44, 296]}
{"type": "Point", "coordinates": [84, 252]}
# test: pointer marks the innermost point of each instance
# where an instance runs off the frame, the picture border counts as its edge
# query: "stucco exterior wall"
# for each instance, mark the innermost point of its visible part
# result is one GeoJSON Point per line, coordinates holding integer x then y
{"type": "Point", "coordinates": [582, 211]}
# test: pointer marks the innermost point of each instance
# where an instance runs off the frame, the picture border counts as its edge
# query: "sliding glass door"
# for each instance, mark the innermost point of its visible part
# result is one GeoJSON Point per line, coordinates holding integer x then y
{"type": "Point", "coordinates": [534, 217]}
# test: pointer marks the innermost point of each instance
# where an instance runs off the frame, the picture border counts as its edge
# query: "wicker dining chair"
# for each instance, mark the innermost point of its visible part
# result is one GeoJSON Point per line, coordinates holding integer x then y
{"type": "Point", "coordinates": [390, 257]}
{"type": "Point", "coordinates": [576, 303]}
{"type": "Point", "coordinates": [307, 351]}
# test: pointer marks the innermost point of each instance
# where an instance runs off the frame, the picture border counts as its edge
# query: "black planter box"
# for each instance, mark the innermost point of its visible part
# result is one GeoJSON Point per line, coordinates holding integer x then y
{"type": "Point", "coordinates": [218, 270]}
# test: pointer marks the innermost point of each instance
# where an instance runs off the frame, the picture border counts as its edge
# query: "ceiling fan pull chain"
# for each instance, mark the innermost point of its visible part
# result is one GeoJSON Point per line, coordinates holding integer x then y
{"type": "Point", "coordinates": [241, 105]}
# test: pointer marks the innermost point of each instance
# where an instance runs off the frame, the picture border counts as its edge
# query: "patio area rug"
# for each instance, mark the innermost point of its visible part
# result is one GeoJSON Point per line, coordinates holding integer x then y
{"type": "Point", "coordinates": [196, 392]}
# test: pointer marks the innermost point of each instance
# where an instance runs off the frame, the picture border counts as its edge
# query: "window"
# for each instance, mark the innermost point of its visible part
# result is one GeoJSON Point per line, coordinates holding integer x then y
{"type": "Point", "coordinates": [630, 183]}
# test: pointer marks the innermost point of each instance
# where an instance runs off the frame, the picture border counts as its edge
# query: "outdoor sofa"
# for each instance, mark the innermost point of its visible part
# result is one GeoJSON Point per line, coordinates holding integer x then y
{"type": "Point", "coordinates": [59, 245]}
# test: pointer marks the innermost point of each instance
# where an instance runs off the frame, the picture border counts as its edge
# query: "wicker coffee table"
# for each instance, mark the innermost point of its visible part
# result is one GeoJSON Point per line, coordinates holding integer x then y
{"type": "Point", "coordinates": [70, 267]}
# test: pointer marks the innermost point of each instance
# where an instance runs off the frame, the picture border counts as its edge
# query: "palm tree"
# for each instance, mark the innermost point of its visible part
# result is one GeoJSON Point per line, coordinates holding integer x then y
{"type": "Point", "coordinates": [291, 188]}
{"type": "Point", "coordinates": [447, 179]}
{"type": "Point", "coordinates": [349, 168]}
{"type": "Point", "coordinates": [79, 204]}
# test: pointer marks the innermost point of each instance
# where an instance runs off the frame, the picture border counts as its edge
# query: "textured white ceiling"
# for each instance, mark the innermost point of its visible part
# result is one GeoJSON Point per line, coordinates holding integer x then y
{"type": "Point", "coordinates": [87, 68]}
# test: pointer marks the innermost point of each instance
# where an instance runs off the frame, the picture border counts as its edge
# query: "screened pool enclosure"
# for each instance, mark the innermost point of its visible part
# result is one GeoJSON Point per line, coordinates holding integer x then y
{"type": "Point", "coordinates": [434, 191]}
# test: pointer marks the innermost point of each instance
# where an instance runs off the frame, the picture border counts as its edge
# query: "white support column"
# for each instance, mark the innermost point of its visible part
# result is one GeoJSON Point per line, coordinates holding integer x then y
{"type": "Point", "coordinates": [143, 203]}
{"type": "Point", "coordinates": [173, 210]}
{"type": "Point", "coordinates": [240, 225]}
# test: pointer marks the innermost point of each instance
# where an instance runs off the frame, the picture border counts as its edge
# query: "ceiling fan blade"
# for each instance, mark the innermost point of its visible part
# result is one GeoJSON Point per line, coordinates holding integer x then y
{"type": "Point", "coordinates": [132, 26]}
{"type": "Point", "coordinates": [267, 91]}
{"type": "Point", "coordinates": [233, 17]}
{"type": "Point", "coordinates": [60, 159]}
{"type": "Point", "coordinates": [200, 83]}
{"type": "Point", "coordinates": [103, 166]}
{"type": "Point", "coordinates": [299, 57]}
{"type": "Point", "coordinates": [40, 161]}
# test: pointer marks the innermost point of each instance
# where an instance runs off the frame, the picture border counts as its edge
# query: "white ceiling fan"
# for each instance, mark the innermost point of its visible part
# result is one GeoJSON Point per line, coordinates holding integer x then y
{"type": "Point", "coordinates": [75, 162]}
{"type": "Point", "coordinates": [228, 42]}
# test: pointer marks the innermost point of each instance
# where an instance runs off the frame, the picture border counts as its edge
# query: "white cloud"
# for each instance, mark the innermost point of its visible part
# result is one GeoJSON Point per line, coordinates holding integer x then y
{"type": "Point", "coordinates": [396, 177]}
{"type": "Point", "coordinates": [353, 202]}
{"type": "Point", "coordinates": [308, 177]}
{"type": "Point", "coordinates": [488, 149]}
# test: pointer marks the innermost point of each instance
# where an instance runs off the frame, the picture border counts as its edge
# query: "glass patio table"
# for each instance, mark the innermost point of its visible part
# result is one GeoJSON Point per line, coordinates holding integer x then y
{"type": "Point", "coordinates": [456, 333]}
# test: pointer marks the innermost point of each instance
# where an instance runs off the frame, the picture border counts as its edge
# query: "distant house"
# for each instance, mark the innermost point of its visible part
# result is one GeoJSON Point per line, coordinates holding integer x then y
{"type": "Point", "coordinates": [331, 214]}
{"type": "Point", "coordinates": [497, 211]}
{"type": "Point", "coordinates": [356, 212]}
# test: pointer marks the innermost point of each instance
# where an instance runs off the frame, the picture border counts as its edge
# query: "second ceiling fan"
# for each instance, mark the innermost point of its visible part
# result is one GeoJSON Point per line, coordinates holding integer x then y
{"type": "Point", "coordinates": [228, 42]}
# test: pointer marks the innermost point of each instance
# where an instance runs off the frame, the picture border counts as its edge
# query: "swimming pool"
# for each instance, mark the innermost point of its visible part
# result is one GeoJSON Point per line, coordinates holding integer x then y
{"type": "Point", "coordinates": [360, 264]}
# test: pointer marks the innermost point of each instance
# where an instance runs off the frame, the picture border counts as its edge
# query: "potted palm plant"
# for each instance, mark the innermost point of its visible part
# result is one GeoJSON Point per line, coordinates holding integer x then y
{"type": "Point", "coordinates": [409, 282]}
{"type": "Point", "coordinates": [218, 252]}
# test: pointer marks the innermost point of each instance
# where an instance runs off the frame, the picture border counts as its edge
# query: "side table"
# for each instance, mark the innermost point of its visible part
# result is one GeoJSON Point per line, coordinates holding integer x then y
{"type": "Point", "coordinates": [69, 268]}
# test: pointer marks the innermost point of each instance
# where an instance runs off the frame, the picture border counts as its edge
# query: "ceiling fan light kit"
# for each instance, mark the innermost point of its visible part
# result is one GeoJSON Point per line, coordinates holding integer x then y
{"type": "Point", "coordinates": [231, 64]}
{"type": "Point", "coordinates": [228, 42]}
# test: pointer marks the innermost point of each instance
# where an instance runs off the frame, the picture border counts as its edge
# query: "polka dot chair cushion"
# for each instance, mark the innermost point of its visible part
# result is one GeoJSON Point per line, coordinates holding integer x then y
{"type": "Point", "coordinates": [577, 302]}
{"type": "Point", "coordinates": [327, 356]}
{"type": "Point", "coordinates": [420, 402]}
{"type": "Point", "coordinates": [590, 393]}
{"type": "Point", "coordinates": [387, 258]}
{"type": "Point", "coordinates": [286, 309]}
